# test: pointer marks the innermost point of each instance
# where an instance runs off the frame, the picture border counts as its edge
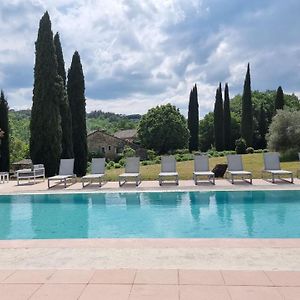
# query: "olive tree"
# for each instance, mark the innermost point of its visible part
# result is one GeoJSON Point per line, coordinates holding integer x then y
{"type": "Point", "coordinates": [284, 133]}
{"type": "Point", "coordinates": [163, 128]}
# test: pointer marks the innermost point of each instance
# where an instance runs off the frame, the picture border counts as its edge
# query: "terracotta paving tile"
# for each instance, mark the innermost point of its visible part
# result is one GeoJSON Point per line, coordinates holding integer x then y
{"type": "Point", "coordinates": [198, 292]}
{"type": "Point", "coordinates": [121, 276]}
{"type": "Point", "coordinates": [58, 292]}
{"type": "Point", "coordinates": [71, 276]}
{"type": "Point", "coordinates": [29, 276]}
{"type": "Point", "coordinates": [154, 292]}
{"type": "Point", "coordinates": [284, 278]}
{"type": "Point", "coordinates": [17, 291]}
{"type": "Point", "coordinates": [156, 277]}
{"type": "Point", "coordinates": [200, 277]}
{"type": "Point", "coordinates": [5, 273]}
{"type": "Point", "coordinates": [254, 293]}
{"type": "Point", "coordinates": [246, 278]}
{"type": "Point", "coordinates": [106, 291]}
{"type": "Point", "coordinates": [290, 293]}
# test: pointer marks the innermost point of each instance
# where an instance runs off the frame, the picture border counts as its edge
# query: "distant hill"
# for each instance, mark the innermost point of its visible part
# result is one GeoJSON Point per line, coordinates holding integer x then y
{"type": "Point", "coordinates": [110, 122]}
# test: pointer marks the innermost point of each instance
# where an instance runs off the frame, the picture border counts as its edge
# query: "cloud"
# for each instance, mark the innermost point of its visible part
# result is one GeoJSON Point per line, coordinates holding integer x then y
{"type": "Point", "coordinates": [138, 54]}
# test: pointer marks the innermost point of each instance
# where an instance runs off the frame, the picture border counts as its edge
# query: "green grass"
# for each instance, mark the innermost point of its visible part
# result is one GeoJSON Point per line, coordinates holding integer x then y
{"type": "Point", "coordinates": [252, 162]}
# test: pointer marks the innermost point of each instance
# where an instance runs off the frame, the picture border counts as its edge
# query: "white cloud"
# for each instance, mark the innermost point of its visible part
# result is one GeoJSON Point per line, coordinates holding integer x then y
{"type": "Point", "coordinates": [137, 54]}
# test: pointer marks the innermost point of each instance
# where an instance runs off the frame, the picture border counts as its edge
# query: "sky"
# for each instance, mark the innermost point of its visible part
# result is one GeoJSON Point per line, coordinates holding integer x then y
{"type": "Point", "coordinates": [137, 54]}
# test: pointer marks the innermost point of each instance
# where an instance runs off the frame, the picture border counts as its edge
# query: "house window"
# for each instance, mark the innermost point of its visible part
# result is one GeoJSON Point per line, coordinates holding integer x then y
{"type": "Point", "coordinates": [109, 148]}
{"type": "Point", "coordinates": [103, 149]}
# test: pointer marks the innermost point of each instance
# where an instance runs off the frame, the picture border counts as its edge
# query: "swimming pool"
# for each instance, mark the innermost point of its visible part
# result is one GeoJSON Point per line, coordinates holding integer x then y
{"type": "Point", "coordinates": [239, 214]}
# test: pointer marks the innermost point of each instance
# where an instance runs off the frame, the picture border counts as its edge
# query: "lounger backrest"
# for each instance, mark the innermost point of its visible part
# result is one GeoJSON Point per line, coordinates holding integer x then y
{"type": "Point", "coordinates": [66, 166]}
{"type": "Point", "coordinates": [98, 165]}
{"type": "Point", "coordinates": [168, 164]}
{"type": "Point", "coordinates": [201, 163]}
{"type": "Point", "coordinates": [271, 161]}
{"type": "Point", "coordinates": [39, 166]}
{"type": "Point", "coordinates": [132, 165]}
{"type": "Point", "coordinates": [235, 162]}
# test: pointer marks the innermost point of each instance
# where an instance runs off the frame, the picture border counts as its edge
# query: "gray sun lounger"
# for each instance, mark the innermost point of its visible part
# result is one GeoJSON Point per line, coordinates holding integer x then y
{"type": "Point", "coordinates": [66, 171]}
{"type": "Point", "coordinates": [201, 168]}
{"type": "Point", "coordinates": [236, 168]}
{"type": "Point", "coordinates": [168, 169]}
{"type": "Point", "coordinates": [98, 171]}
{"type": "Point", "coordinates": [272, 166]}
{"type": "Point", "coordinates": [132, 171]}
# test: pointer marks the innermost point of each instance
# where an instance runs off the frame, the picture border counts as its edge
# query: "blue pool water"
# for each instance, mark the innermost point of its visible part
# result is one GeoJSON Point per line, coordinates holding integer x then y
{"type": "Point", "coordinates": [247, 214]}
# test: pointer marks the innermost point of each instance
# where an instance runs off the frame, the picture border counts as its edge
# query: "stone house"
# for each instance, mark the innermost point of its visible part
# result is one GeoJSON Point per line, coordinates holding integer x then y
{"type": "Point", "coordinates": [110, 146]}
{"type": "Point", "coordinates": [129, 135]}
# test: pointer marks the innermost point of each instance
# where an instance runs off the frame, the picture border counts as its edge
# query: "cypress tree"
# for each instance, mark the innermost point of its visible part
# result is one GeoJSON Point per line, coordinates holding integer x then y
{"type": "Point", "coordinates": [262, 127]}
{"type": "Point", "coordinates": [227, 119]}
{"type": "Point", "coordinates": [4, 142]}
{"type": "Point", "coordinates": [279, 100]}
{"type": "Point", "coordinates": [218, 120]}
{"type": "Point", "coordinates": [76, 97]}
{"type": "Point", "coordinates": [193, 120]}
{"type": "Point", "coordinates": [45, 125]}
{"type": "Point", "coordinates": [247, 118]}
{"type": "Point", "coordinates": [64, 107]}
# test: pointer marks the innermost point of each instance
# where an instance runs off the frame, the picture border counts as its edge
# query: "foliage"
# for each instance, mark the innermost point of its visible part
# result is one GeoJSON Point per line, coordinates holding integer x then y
{"type": "Point", "coordinates": [45, 127]}
{"type": "Point", "coordinates": [95, 154]}
{"type": "Point", "coordinates": [64, 107]}
{"type": "Point", "coordinates": [262, 127]}
{"type": "Point", "coordinates": [227, 120]}
{"type": "Point", "coordinates": [247, 115]}
{"type": "Point", "coordinates": [279, 100]}
{"type": "Point", "coordinates": [4, 141]}
{"type": "Point", "coordinates": [128, 152]}
{"type": "Point", "coordinates": [163, 129]}
{"type": "Point", "coordinates": [284, 132]}
{"type": "Point", "coordinates": [249, 150]}
{"type": "Point", "coordinates": [218, 120]}
{"type": "Point", "coordinates": [193, 120]}
{"type": "Point", "coordinates": [19, 150]}
{"type": "Point", "coordinates": [151, 154]}
{"type": "Point", "coordinates": [76, 88]}
{"type": "Point", "coordinates": [206, 130]}
{"type": "Point", "coordinates": [240, 146]}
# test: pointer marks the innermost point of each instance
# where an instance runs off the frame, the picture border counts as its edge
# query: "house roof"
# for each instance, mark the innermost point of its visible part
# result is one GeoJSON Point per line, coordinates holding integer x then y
{"type": "Point", "coordinates": [126, 134]}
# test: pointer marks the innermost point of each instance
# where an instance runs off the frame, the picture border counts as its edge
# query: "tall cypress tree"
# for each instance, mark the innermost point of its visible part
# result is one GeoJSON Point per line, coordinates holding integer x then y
{"type": "Point", "coordinates": [45, 125]}
{"type": "Point", "coordinates": [227, 120]}
{"type": "Point", "coordinates": [64, 107]}
{"type": "Point", "coordinates": [262, 127]}
{"type": "Point", "coordinates": [76, 97]}
{"type": "Point", "coordinates": [4, 142]}
{"type": "Point", "coordinates": [279, 100]}
{"type": "Point", "coordinates": [193, 120]}
{"type": "Point", "coordinates": [247, 114]}
{"type": "Point", "coordinates": [218, 120]}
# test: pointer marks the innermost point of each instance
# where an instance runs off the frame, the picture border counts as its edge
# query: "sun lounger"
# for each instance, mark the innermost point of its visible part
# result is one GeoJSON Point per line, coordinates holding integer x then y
{"type": "Point", "coordinates": [37, 171]}
{"type": "Point", "coordinates": [132, 171]}
{"type": "Point", "coordinates": [298, 169]}
{"type": "Point", "coordinates": [168, 169]}
{"type": "Point", "coordinates": [98, 170]}
{"type": "Point", "coordinates": [272, 166]}
{"type": "Point", "coordinates": [201, 168]}
{"type": "Point", "coordinates": [66, 171]}
{"type": "Point", "coordinates": [236, 168]}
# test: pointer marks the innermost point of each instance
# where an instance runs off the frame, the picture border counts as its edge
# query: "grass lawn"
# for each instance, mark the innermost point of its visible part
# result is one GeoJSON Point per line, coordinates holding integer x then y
{"type": "Point", "coordinates": [252, 162]}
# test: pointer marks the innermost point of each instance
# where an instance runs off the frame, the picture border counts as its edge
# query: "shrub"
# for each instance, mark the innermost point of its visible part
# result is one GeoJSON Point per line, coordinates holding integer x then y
{"type": "Point", "coordinates": [128, 152]}
{"type": "Point", "coordinates": [110, 164]}
{"type": "Point", "coordinates": [151, 154]}
{"type": "Point", "coordinates": [289, 155]}
{"type": "Point", "coordinates": [258, 151]}
{"type": "Point", "coordinates": [250, 150]}
{"type": "Point", "coordinates": [117, 166]}
{"type": "Point", "coordinates": [284, 133]}
{"type": "Point", "coordinates": [95, 154]}
{"type": "Point", "coordinates": [182, 151]}
{"type": "Point", "coordinates": [240, 146]}
{"type": "Point", "coordinates": [265, 150]}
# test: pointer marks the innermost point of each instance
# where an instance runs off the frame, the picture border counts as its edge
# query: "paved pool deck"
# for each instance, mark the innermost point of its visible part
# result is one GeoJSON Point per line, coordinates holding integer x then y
{"type": "Point", "coordinates": [150, 268]}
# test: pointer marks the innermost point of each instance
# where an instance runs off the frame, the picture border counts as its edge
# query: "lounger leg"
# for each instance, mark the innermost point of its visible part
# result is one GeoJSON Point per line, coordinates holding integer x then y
{"type": "Point", "coordinates": [176, 179]}
{"type": "Point", "coordinates": [292, 178]}
{"type": "Point", "coordinates": [251, 179]}
{"type": "Point", "coordinates": [213, 179]}
{"type": "Point", "coordinates": [65, 181]}
{"type": "Point", "coordinates": [232, 180]}
{"type": "Point", "coordinates": [160, 180]}
{"type": "Point", "coordinates": [273, 178]}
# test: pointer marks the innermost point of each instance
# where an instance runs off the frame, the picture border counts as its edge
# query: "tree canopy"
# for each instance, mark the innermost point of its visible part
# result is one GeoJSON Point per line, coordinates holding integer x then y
{"type": "Point", "coordinates": [4, 142]}
{"type": "Point", "coordinates": [193, 120]}
{"type": "Point", "coordinates": [163, 128]}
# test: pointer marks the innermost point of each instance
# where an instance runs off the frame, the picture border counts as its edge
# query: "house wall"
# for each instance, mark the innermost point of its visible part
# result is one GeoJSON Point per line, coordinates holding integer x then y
{"type": "Point", "coordinates": [110, 146]}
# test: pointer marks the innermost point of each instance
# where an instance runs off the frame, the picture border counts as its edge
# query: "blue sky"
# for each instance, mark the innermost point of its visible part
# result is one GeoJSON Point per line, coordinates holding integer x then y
{"type": "Point", "coordinates": [137, 54]}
